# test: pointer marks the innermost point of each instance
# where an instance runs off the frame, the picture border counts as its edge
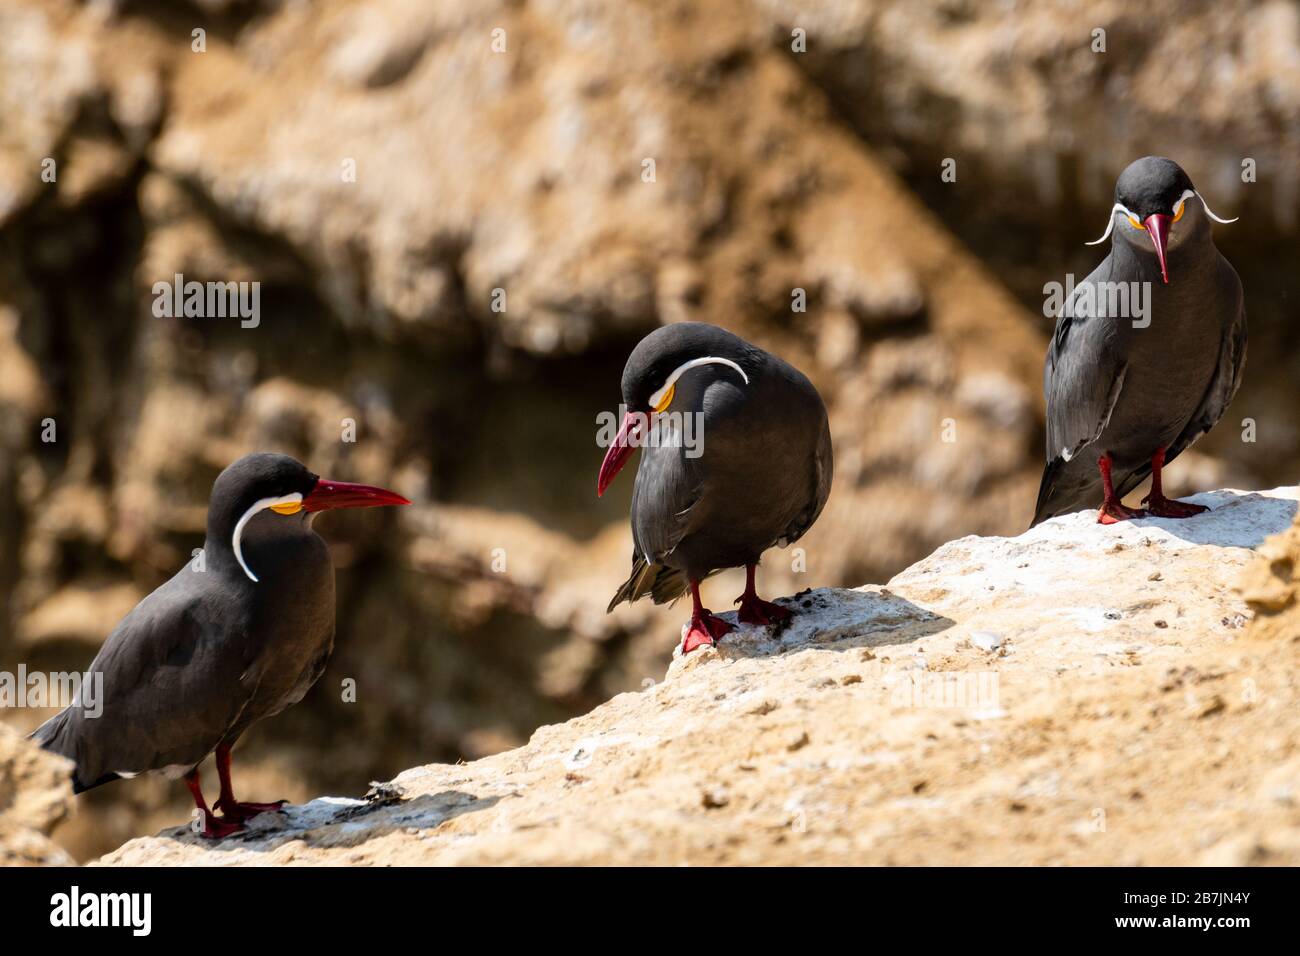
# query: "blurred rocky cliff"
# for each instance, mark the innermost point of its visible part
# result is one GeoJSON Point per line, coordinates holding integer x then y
{"type": "Point", "coordinates": [464, 214]}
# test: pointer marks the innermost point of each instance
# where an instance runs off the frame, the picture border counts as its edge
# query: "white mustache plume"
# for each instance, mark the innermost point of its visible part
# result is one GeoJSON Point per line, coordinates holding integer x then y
{"type": "Point", "coordinates": [1120, 207]}
{"type": "Point", "coordinates": [1110, 223]}
{"type": "Point", "coordinates": [1211, 214]}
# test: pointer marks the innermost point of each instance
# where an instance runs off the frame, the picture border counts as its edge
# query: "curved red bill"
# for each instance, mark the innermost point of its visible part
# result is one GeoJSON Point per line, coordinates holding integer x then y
{"type": "Point", "coordinates": [619, 452]}
{"type": "Point", "coordinates": [1158, 228]}
{"type": "Point", "coordinates": [328, 495]}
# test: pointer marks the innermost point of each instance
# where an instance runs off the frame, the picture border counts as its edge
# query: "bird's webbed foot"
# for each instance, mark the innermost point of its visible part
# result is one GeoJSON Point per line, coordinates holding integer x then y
{"type": "Point", "coordinates": [218, 828]}
{"type": "Point", "coordinates": [1158, 506]}
{"type": "Point", "coordinates": [754, 610]}
{"type": "Point", "coordinates": [237, 812]}
{"type": "Point", "coordinates": [1113, 512]}
{"type": "Point", "coordinates": [705, 628]}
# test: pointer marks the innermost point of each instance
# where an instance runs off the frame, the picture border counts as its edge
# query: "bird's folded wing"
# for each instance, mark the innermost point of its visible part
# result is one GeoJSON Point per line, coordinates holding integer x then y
{"type": "Point", "coordinates": [819, 489]}
{"type": "Point", "coordinates": [1082, 381]}
{"type": "Point", "coordinates": [172, 685]}
{"type": "Point", "coordinates": [665, 502]}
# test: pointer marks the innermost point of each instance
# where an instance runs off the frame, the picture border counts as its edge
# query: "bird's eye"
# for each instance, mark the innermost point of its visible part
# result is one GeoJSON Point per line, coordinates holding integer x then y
{"type": "Point", "coordinates": [1178, 213]}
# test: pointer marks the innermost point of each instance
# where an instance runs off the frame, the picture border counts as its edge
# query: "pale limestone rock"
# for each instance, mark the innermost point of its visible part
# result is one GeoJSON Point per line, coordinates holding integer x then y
{"type": "Point", "coordinates": [1138, 721]}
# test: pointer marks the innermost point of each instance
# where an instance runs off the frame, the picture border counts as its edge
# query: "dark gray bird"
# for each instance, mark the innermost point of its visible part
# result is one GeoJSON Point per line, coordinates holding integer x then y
{"type": "Point", "coordinates": [1128, 389]}
{"type": "Point", "coordinates": [231, 639]}
{"type": "Point", "coordinates": [737, 458]}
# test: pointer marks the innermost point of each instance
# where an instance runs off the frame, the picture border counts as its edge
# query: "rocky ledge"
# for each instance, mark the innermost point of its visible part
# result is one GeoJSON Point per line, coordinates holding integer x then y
{"type": "Point", "coordinates": [1077, 694]}
{"type": "Point", "coordinates": [35, 796]}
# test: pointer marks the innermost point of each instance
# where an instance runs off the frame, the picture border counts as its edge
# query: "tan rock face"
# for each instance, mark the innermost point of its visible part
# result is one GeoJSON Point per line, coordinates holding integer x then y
{"type": "Point", "coordinates": [460, 234]}
{"type": "Point", "coordinates": [1077, 694]}
{"type": "Point", "coordinates": [1271, 587]}
{"type": "Point", "coordinates": [457, 248]}
{"type": "Point", "coordinates": [35, 795]}
{"type": "Point", "coordinates": [1046, 92]}
{"type": "Point", "coordinates": [1039, 106]}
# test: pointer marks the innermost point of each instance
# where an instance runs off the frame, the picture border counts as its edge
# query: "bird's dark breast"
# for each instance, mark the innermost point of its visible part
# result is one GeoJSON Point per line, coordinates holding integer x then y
{"type": "Point", "coordinates": [1169, 366]}
{"type": "Point", "coordinates": [292, 624]}
{"type": "Point", "coordinates": [756, 471]}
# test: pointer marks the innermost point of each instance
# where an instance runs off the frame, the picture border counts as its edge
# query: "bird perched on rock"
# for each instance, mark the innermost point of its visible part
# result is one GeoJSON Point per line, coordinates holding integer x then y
{"type": "Point", "coordinates": [232, 638]}
{"type": "Point", "coordinates": [1128, 392]}
{"type": "Point", "coordinates": [736, 459]}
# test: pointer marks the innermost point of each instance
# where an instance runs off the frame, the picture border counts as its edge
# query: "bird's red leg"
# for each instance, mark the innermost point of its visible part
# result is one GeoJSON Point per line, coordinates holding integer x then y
{"type": "Point", "coordinates": [1112, 509]}
{"type": "Point", "coordinates": [214, 828]}
{"type": "Point", "coordinates": [754, 610]}
{"type": "Point", "coordinates": [704, 628]}
{"type": "Point", "coordinates": [232, 809]}
{"type": "Point", "coordinates": [1160, 506]}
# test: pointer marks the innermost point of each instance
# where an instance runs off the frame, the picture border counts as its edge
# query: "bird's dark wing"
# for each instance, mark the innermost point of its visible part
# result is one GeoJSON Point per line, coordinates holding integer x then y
{"type": "Point", "coordinates": [819, 488]}
{"type": "Point", "coordinates": [174, 680]}
{"type": "Point", "coordinates": [1082, 381]}
{"type": "Point", "coordinates": [1223, 386]}
{"type": "Point", "coordinates": [668, 487]}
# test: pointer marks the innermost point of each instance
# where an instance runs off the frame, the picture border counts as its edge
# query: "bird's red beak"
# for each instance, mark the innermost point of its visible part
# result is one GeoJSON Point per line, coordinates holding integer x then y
{"type": "Point", "coordinates": [619, 452]}
{"type": "Point", "coordinates": [1158, 229]}
{"type": "Point", "coordinates": [328, 495]}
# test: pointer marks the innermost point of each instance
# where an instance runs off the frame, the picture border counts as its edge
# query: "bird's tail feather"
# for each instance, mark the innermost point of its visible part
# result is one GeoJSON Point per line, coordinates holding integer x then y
{"type": "Point", "coordinates": [669, 585]}
{"type": "Point", "coordinates": [662, 583]}
{"type": "Point", "coordinates": [50, 734]}
{"type": "Point", "coordinates": [79, 787]}
{"type": "Point", "coordinates": [1067, 485]}
{"type": "Point", "coordinates": [53, 736]}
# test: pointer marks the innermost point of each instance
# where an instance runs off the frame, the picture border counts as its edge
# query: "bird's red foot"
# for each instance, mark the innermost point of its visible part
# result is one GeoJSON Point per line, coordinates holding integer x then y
{"type": "Point", "coordinates": [754, 610]}
{"type": "Point", "coordinates": [232, 810]}
{"type": "Point", "coordinates": [705, 628]}
{"type": "Point", "coordinates": [217, 828]}
{"type": "Point", "coordinates": [1162, 507]}
{"type": "Point", "coordinates": [1112, 512]}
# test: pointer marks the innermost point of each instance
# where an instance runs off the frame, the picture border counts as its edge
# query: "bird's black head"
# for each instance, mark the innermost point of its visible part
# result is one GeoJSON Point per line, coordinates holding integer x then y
{"type": "Point", "coordinates": [1153, 185]}
{"type": "Point", "coordinates": [258, 476]}
{"type": "Point", "coordinates": [264, 481]}
{"type": "Point", "coordinates": [1151, 195]}
{"type": "Point", "coordinates": [668, 361]}
{"type": "Point", "coordinates": [666, 354]}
